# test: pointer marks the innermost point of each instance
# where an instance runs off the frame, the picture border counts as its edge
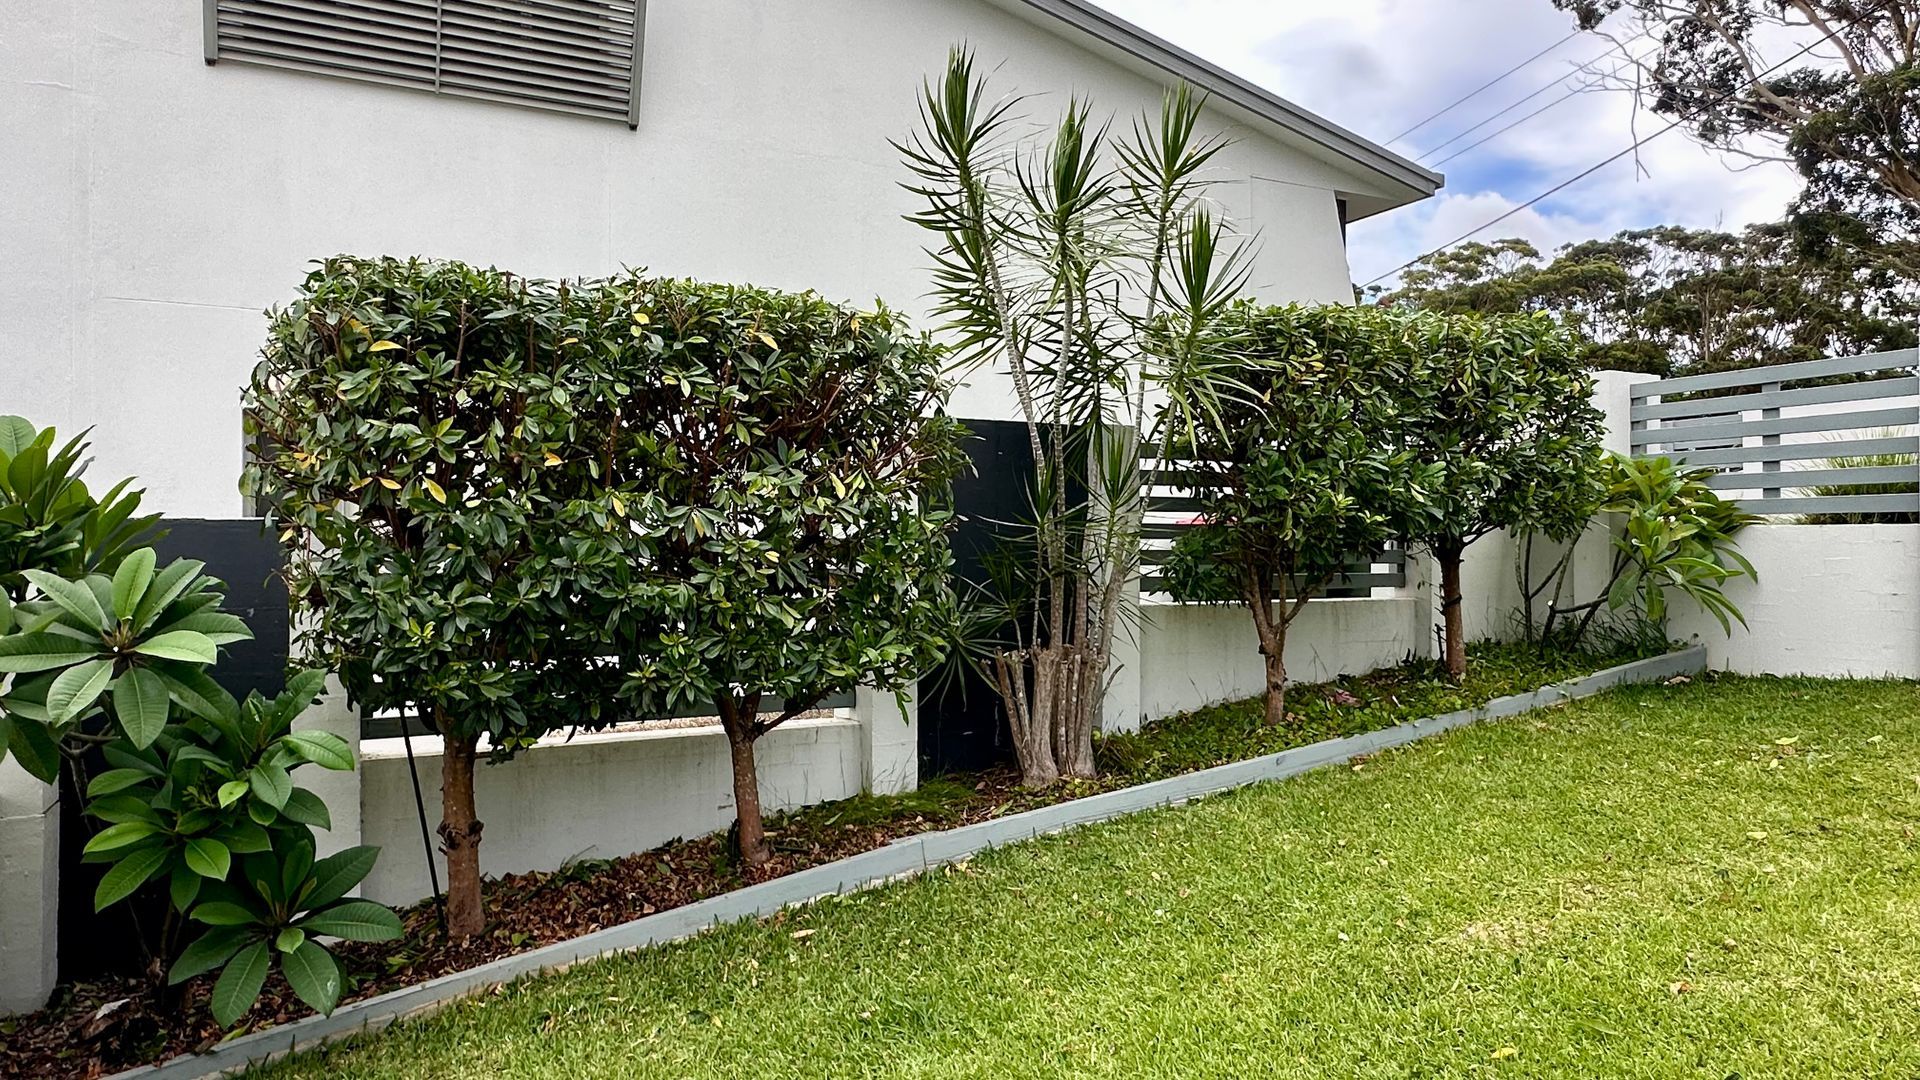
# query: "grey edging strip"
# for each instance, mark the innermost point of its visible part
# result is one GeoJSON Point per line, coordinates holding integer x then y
{"type": "Point", "coordinates": [907, 856]}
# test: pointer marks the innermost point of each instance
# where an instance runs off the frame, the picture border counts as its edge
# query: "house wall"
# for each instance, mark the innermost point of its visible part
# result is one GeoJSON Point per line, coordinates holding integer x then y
{"type": "Point", "coordinates": [157, 204]}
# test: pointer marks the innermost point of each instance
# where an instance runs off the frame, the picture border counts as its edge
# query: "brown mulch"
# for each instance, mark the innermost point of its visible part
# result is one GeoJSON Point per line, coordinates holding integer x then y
{"type": "Point", "coordinates": [96, 1028]}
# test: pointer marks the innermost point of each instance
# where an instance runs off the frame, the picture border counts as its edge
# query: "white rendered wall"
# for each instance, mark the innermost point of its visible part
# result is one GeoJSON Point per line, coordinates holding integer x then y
{"type": "Point", "coordinates": [29, 888]}
{"type": "Point", "coordinates": [1193, 654]}
{"type": "Point", "coordinates": [1838, 600]}
{"type": "Point", "coordinates": [596, 797]}
{"type": "Point", "coordinates": [156, 205]}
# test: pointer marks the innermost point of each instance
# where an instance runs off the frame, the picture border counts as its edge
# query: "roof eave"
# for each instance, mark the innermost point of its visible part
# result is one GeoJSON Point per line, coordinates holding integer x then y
{"type": "Point", "coordinates": [1226, 87]}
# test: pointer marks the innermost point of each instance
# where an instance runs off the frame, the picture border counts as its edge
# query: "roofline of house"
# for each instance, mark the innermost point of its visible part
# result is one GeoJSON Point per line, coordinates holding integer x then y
{"type": "Point", "coordinates": [1228, 87]}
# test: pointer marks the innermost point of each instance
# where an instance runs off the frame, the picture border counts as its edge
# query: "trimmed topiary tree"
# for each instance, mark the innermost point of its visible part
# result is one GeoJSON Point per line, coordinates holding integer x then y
{"type": "Point", "coordinates": [788, 460]}
{"type": "Point", "coordinates": [439, 480]}
{"type": "Point", "coordinates": [1500, 409]}
{"type": "Point", "coordinates": [1302, 476]}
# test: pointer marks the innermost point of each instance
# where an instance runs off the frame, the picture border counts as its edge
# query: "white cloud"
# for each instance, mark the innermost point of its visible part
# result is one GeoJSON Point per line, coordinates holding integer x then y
{"type": "Point", "coordinates": [1380, 66]}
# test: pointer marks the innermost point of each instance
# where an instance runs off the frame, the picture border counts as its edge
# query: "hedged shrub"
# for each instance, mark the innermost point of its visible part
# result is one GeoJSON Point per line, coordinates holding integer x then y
{"type": "Point", "coordinates": [517, 506]}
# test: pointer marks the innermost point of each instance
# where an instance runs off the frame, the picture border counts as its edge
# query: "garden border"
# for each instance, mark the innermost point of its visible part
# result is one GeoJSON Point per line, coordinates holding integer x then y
{"type": "Point", "coordinates": [905, 857]}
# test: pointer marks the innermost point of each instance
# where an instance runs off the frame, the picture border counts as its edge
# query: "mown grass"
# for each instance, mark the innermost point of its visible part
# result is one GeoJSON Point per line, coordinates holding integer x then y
{"type": "Point", "coordinates": [1708, 880]}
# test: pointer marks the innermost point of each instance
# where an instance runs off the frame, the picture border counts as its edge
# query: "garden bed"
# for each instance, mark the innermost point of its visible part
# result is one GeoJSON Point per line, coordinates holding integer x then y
{"type": "Point", "coordinates": [96, 1027]}
{"type": "Point", "coordinates": [1704, 880]}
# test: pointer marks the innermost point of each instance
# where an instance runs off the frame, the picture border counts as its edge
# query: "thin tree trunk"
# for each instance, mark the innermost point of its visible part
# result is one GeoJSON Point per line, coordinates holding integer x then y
{"type": "Point", "coordinates": [1270, 618]}
{"type": "Point", "coordinates": [1276, 687]}
{"type": "Point", "coordinates": [460, 833]}
{"type": "Point", "coordinates": [1456, 639]}
{"type": "Point", "coordinates": [746, 799]}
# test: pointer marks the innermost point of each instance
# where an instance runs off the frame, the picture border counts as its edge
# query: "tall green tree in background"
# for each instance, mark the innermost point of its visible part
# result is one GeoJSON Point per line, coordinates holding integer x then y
{"type": "Point", "coordinates": [1670, 300]}
{"type": "Point", "coordinates": [1829, 86]}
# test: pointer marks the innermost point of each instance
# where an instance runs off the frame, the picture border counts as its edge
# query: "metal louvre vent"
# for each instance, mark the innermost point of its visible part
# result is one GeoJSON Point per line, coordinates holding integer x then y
{"type": "Point", "coordinates": [577, 56]}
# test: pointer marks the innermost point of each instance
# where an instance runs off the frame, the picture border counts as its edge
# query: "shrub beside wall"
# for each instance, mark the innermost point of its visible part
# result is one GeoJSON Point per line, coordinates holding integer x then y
{"type": "Point", "coordinates": [518, 506]}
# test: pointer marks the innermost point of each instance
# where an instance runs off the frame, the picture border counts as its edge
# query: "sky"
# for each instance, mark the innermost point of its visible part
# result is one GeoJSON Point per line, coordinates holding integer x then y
{"type": "Point", "coordinates": [1378, 67]}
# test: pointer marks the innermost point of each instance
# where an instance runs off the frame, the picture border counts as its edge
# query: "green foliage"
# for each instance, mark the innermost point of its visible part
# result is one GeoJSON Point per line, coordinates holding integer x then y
{"type": "Point", "coordinates": [1677, 536]}
{"type": "Point", "coordinates": [49, 520]}
{"type": "Point", "coordinates": [788, 467]}
{"type": "Point", "coordinates": [519, 506]}
{"type": "Point", "coordinates": [123, 649]}
{"type": "Point", "coordinates": [1091, 265]}
{"type": "Point", "coordinates": [1304, 471]}
{"type": "Point", "coordinates": [273, 912]}
{"type": "Point", "coordinates": [1499, 409]}
{"type": "Point", "coordinates": [434, 442]}
{"type": "Point", "coordinates": [1871, 517]}
{"type": "Point", "coordinates": [1830, 85]}
{"type": "Point", "coordinates": [1672, 301]}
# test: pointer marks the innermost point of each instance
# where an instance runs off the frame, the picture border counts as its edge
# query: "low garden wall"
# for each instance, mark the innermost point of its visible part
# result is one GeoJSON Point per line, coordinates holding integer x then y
{"type": "Point", "coordinates": [597, 796]}
{"type": "Point", "coordinates": [1192, 654]}
{"type": "Point", "coordinates": [1837, 600]}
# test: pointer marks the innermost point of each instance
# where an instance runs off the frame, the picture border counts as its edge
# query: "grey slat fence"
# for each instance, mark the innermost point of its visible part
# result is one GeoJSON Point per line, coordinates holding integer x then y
{"type": "Point", "coordinates": [1774, 439]}
{"type": "Point", "coordinates": [1166, 516]}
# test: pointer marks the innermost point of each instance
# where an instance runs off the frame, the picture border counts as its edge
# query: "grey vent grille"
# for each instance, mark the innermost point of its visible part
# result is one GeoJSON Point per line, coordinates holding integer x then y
{"type": "Point", "coordinates": [577, 56]}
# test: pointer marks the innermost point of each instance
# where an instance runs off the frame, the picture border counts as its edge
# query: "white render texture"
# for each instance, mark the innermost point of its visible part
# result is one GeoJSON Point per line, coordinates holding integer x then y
{"type": "Point", "coordinates": [1837, 600]}
{"type": "Point", "coordinates": [29, 889]}
{"type": "Point", "coordinates": [595, 797]}
{"type": "Point", "coordinates": [156, 204]}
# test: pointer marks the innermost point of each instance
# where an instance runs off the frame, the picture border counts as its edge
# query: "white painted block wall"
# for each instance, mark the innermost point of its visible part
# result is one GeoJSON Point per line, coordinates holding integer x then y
{"type": "Point", "coordinates": [29, 888]}
{"type": "Point", "coordinates": [1836, 600]}
{"type": "Point", "coordinates": [596, 797]}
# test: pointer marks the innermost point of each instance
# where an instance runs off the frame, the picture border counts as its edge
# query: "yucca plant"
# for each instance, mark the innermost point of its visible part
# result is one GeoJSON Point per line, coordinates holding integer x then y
{"type": "Point", "coordinates": [1090, 267]}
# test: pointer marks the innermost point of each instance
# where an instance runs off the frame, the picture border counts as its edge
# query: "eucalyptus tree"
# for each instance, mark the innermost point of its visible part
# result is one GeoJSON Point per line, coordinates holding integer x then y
{"type": "Point", "coordinates": [1091, 270]}
{"type": "Point", "coordinates": [1303, 476]}
{"type": "Point", "coordinates": [1825, 85]}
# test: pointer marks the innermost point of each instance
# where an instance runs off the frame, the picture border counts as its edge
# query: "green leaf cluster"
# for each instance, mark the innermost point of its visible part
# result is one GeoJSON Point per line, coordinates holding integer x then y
{"type": "Point", "coordinates": [522, 506]}
{"type": "Point", "coordinates": [49, 520]}
{"type": "Point", "coordinates": [1304, 473]}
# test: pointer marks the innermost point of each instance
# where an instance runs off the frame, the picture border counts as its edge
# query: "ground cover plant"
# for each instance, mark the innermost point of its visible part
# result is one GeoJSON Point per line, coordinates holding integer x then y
{"type": "Point", "coordinates": [1709, 878]}
{"type": "Point", "coordinates": [525, 911]}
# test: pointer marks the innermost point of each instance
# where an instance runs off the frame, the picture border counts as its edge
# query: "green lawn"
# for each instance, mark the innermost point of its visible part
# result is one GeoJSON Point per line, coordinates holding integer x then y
{"type": "Point", "coordinates": [1709, 880]}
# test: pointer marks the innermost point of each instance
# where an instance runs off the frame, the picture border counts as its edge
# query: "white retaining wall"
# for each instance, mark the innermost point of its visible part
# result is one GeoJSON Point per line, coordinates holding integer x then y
{"type": "Point", "coordinates": [1193, 655]}
{"type": "Point", "coordinates": [596, 796]}
{"type": "Point", "coordinates": [1839, 600]}
{"type": "Point", "coordinates": [29, 888]}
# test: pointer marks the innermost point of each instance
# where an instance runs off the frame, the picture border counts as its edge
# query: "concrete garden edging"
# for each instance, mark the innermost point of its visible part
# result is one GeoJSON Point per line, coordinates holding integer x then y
{"type": "Point", "coordinates": [902, 858]}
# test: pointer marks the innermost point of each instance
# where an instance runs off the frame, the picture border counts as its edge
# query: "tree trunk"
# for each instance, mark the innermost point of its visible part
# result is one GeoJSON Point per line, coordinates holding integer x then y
{"type": "Point", "coordinates": [1027, 680]}
{"type": "Point", "coordinates": [1276, 688]}
{"type": "Point", "coordinates": [751, 832]}
{"type": "Point", "coordinates": [1456, 635]}
{"type": "Point", "coordinates": [460, 834]}
{"type": "Point", "coordinates": [1085, 672]}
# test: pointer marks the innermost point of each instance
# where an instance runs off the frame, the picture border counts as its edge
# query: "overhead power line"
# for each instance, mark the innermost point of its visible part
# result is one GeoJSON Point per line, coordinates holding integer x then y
{"type": "Point", "coordinates": [1611, 158]}
{"type": "Point", "coordinates": [1561, 81]}
{"type": "Point", "coordinates": [1499, 131]}
{"type": "Point", "coordinates": [1488, 85]}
